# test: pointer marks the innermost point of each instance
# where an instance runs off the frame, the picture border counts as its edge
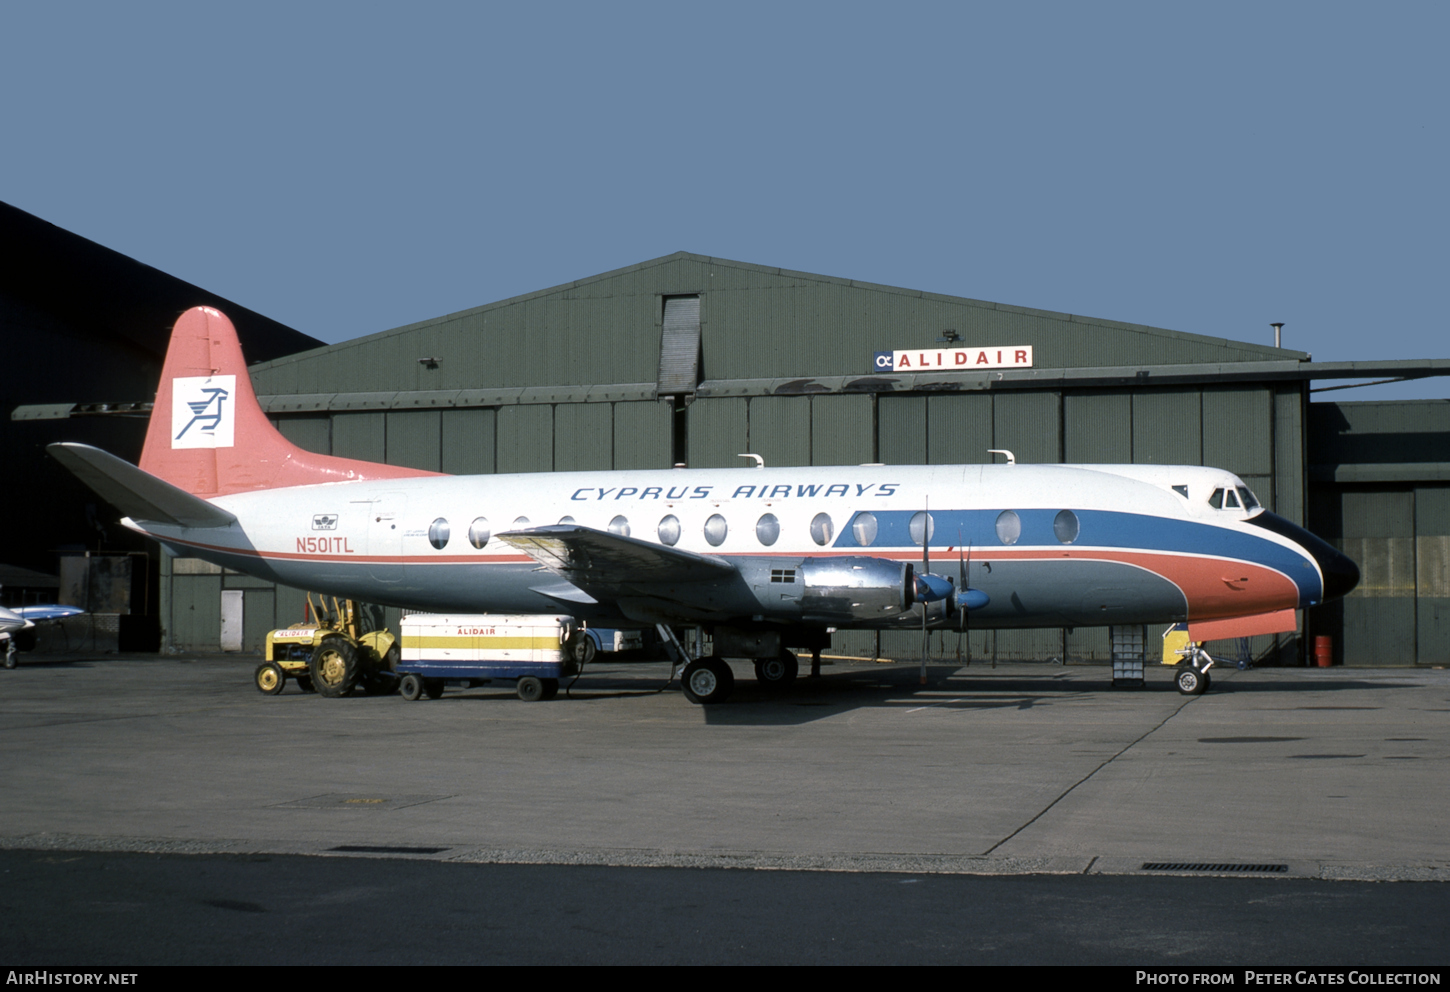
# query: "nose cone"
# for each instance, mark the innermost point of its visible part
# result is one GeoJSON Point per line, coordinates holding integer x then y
{"type": "Point", "coordinates": [1340, 573]}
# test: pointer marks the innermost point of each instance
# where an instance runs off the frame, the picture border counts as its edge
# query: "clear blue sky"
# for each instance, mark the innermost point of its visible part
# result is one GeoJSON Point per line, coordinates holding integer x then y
{"type": "Point", "coordinates": [346, 168]}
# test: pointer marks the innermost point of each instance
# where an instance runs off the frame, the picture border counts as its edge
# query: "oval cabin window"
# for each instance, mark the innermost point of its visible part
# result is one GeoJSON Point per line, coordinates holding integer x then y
{"type": "Point", "coordinates": [1009, 527]}
{"type": "Point", "coordinates": [478, 532]}
{"type": "Point", "coordinates": [438, 533]}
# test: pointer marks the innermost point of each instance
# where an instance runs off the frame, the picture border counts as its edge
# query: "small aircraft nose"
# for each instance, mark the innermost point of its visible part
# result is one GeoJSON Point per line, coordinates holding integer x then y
{"type": "Point", "coordinates": [1341, 574]}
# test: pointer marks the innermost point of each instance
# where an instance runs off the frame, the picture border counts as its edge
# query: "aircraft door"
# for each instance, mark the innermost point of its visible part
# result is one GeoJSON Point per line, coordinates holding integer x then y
{"type": "Point", "coordinates": [385, 537]}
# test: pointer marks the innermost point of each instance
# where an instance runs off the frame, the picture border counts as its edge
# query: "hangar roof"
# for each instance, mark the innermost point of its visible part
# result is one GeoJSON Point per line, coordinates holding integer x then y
{"type": "Point", "coordinates": [756, 323]}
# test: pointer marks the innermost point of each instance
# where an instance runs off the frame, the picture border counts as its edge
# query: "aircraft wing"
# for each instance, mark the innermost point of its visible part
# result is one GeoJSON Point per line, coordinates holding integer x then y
{"type": "Point", "coordinates": [48, 611]}
{"type": "Point", "coordinates": [596, 559]}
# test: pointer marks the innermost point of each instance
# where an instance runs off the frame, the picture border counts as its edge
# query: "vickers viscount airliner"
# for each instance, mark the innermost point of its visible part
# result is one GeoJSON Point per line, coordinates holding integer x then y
{"type": "Point", "coordinates": [764, 558]}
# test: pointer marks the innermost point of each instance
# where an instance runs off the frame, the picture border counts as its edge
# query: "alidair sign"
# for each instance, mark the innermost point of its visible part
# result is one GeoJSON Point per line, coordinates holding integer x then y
{"type": "Point", "coordinates": [954, 359]}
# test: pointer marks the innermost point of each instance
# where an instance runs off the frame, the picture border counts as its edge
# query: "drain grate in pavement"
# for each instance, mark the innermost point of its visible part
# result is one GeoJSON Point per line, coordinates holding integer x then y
{"type": "Point", "coordinates": [385, 849]}
{"type": "Point", "coordinates": [337, 800]}
{"type": "Point", "coordinates": [1210, 866]}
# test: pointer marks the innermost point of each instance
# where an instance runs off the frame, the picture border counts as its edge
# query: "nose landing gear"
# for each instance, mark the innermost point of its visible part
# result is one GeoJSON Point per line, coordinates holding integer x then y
{"type": "Point", "coordinates": [1192, 677]}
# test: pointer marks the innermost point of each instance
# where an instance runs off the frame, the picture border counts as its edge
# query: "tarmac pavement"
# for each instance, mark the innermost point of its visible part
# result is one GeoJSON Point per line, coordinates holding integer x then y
{"type": "Point", "coordinates": [1027, 768]}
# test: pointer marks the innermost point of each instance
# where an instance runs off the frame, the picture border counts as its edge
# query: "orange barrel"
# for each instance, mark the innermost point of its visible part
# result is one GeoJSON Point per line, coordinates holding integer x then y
{"type": "Point", "coordinates": [1323, 651]}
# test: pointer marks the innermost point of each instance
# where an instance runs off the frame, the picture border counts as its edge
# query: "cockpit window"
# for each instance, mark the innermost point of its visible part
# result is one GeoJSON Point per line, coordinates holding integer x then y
{"type": "Point", "coordinates": [1216, 500]}
{"type": "Point", "coordinates": [1231, 500]}
{"type": "Point", "coordinates": [1251, 502]}
{"type": "Point", "coordinates": [1181, 490]}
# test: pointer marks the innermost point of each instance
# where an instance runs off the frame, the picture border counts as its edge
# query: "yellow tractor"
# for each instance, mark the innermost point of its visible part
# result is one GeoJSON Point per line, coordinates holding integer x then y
{"type": "Point", "coordinates": [329, 654]}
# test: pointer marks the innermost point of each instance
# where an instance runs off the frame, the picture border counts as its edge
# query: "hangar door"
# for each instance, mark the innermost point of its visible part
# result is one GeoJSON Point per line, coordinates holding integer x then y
{"type": "Point", "coordinates": [1400, 612]}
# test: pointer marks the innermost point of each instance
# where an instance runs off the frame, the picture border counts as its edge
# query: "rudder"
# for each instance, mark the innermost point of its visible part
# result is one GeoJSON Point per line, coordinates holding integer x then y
{"type": "Point", "coordinates": [208, 434]}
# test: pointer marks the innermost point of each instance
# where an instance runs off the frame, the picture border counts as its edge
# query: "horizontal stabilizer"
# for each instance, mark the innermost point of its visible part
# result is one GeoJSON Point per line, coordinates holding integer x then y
{"type": "Point", "coordinates": [137, 494]}
{"type": "Point", "coordinates": [594, 558]}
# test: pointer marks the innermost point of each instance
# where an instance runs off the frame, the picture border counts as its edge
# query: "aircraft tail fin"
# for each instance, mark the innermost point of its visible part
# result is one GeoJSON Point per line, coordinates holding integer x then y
{"type": "Point", "coordinates": [135, 493]}
{"type": "Point", "coordinates": [208, 435]}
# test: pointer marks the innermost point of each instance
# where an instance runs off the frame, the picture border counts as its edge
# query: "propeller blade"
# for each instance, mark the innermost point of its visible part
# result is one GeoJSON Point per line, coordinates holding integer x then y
{"type": "Point", "coordinates": [962, 586]}
{"type": "Point", "coordinates": [922, 585]}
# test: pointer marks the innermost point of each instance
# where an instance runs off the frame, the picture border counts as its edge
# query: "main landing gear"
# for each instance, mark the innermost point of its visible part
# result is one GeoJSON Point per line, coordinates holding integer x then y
{"type": "Point", "coordinates": [778, 672]}
{"type": "Point", "coordinates": [707, 680]}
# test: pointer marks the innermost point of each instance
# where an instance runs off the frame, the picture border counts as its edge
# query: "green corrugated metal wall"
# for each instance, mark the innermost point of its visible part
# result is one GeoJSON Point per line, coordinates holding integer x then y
{"type": "Point", "coordinates": [1381, 494]}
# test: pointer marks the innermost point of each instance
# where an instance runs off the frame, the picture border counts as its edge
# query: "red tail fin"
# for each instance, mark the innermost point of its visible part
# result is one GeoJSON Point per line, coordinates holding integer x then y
{"type": "Point", "coordinates": [209, 436]}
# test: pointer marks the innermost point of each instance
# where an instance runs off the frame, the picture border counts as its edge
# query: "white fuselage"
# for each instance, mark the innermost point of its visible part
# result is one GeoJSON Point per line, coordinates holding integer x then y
{"type": "Point", "coordinates": [1090, 544]}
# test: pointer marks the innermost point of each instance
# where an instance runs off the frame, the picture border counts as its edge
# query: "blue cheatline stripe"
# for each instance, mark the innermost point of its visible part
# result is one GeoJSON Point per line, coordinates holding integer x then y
{"type": "Point", "coordinates": [977, 529]}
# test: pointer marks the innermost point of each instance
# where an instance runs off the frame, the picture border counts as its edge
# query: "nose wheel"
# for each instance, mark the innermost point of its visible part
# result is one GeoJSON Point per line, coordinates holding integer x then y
{"type": "Point", "coordinates": [1192, 677]}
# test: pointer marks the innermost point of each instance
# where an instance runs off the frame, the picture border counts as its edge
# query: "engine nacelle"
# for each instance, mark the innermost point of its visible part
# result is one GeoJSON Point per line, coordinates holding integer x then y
{"type": "Point", "coordinates": [843, 590]}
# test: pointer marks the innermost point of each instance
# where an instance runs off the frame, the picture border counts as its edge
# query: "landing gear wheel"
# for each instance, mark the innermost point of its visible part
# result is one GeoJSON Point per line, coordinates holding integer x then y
{"type": "Point", "coordinates": [530, 689]}
{"type": "Point", "coordinates": [1190, 681]}
{"type": "Point", "coordinates": [269, 678]}
{"type": "Point", "coordinates": [334, 667]}
{"type": "Point", "coordinates": [777, 673]}
{"type": "Point", "coordinates": [411, 687]}
{"type": "Point", "coordinates": [551, 688]}
{"type": "Point", "coordinates": [433, 688]}
{"type": "Point", "coordinates": [707, 680]}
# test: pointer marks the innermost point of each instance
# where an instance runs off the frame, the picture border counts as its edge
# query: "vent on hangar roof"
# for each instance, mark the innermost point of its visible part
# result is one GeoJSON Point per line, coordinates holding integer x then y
{"type": "Point", "coordinates": [680, 346]}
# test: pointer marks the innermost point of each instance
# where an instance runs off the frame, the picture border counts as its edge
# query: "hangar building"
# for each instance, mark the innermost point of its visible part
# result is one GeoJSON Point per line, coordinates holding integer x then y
{"type": "Point", "coordinates": [689, 359]}
{"type": "Point", "coordinates": [85, 331]}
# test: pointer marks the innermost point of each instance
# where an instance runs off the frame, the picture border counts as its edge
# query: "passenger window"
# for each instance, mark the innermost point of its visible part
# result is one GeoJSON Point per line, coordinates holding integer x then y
{"type": "Point", "coordinates": [715, 530]}
{"type": "Point", "coordinates": [565, 520]}
{"type": "Point", "coordinates": [478, 532]}
{"type": "Point", "coordinates": [438, 534]}
{"type": "Point", "coordinates": [822, 530]}
{"type": "Point", "coordinates": [767, 529]}
{"type": "Point", "coordinates": [1216, 500]}
{"type": "Point", "coordinates": [1065, 526]}
{"type": "Point", "coordinates": [521, 521]}
{"type": "Point", "coordinates": [1009, 527]}
{"type": "Point", "coordinates": [863, 528]}
{"type": "Point", "coordinates": [619, 525]}
{"type": "Point", "coordinates": [669, 530]}
{"type": "Point", "coordinates": [922, 528]}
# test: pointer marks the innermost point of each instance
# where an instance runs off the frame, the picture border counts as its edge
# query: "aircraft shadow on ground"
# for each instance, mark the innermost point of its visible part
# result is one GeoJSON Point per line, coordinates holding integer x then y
{"type": "Point", "coordinates": [896, 687]}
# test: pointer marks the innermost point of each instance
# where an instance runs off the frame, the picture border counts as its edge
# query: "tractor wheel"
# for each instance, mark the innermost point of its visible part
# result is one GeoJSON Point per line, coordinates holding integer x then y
{"type": "Point", "coordinates": [335, 668]}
